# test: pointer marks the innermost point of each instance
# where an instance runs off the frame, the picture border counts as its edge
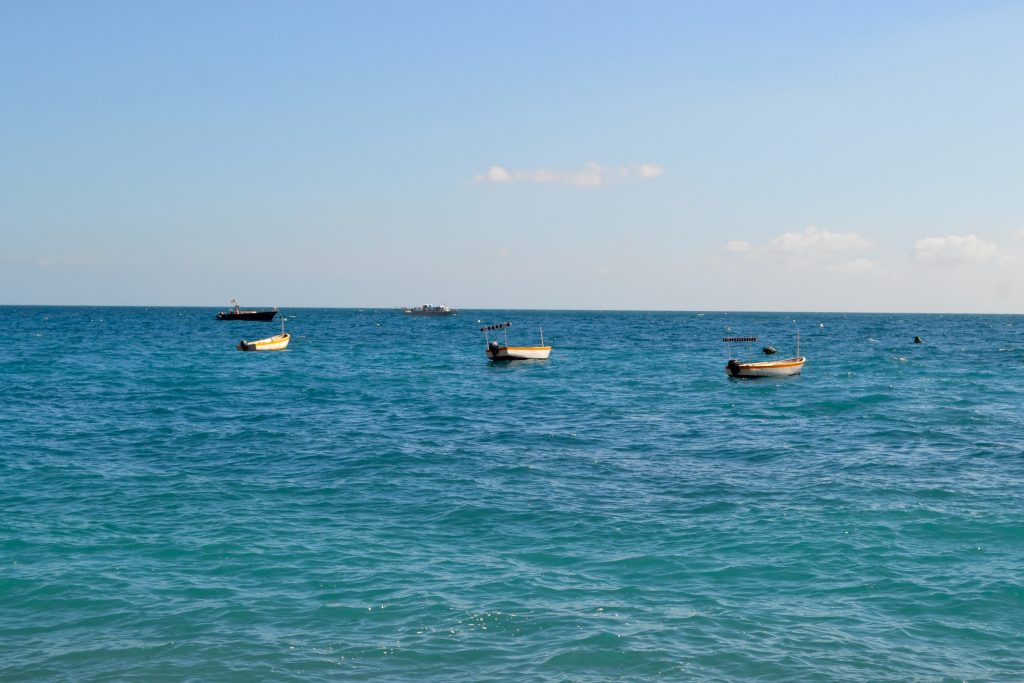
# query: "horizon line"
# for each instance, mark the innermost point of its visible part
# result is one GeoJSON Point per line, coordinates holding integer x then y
{"type": "Point", "coordinates": [552, 310]}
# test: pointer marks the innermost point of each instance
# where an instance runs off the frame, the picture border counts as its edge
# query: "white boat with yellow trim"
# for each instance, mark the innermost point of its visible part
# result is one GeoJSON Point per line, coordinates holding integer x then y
{"type": "Point", "coordinates": [785, 367]}
{"type": "Point", "coordinates": [497, 351]}
{"type": "Point", "coordinates": [279, 342]}
{"type": "Point", "coordinates": [770, 368]}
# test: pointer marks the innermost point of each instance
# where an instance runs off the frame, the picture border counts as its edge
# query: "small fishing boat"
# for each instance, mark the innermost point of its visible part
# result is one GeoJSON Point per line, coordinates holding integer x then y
{"type": "Point", "coordinates": [497, 351]}
{"type": "Point", "coordinates": [236, 313]}
{"type": "Point", "coordinates": [279, 342]}
{"type": "Point", "coordinates": [427, 309]}
{"type": "Point", "coordinates": [783, 367]}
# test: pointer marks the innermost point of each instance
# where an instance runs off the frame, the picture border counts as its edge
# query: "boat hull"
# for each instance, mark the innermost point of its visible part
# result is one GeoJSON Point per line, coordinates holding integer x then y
{"type": "Point", "coordinates": [773, 368]}
{"type": "Point", "coordinates": [431, 313]}
{"type": "Point", "coordinates": [519, 353]}
{"type": "Point", "coordinates": [262, 316]}
{"type": "Point", "coordinates": [278, 342]}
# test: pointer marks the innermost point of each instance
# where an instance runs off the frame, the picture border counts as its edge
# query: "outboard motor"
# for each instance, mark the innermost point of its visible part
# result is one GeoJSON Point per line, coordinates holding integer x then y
{"type": "Point", "coordinates": [733, 367]}
{"type": "Point", "coordinates": [493, 348]}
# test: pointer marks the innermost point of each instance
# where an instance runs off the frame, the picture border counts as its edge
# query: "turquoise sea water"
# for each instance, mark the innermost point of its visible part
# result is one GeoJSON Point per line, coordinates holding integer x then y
{"type": "Point", "coordinates": [380, 502]}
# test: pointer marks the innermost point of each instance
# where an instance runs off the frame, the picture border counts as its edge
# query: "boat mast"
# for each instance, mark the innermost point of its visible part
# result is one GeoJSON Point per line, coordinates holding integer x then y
{"type": "Point", "coordinates": [542, 335]}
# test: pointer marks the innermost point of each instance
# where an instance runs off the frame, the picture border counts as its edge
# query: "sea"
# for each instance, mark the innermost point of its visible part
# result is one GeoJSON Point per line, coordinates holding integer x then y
{"type": "Point", "coordinates": [381, 502]}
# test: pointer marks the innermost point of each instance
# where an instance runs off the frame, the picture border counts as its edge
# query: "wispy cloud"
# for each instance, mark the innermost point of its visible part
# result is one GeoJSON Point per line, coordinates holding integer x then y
{"type": "Point", "coordinates": [958, 250]}
{"type": "Point", "coordinates": [650, 171]}
{"type": "Point", "coordinates": [813, 246]}
{"type": "Point", "coordinates": [592, 174]}
{"type": "Point", "coordinates": [859, 265]}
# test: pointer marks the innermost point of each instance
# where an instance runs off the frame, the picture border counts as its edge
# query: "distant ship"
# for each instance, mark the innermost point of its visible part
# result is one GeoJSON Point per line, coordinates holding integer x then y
{"type": "Point", "coordinates": [236, 313]}
{"type": "Point", "coordinates": [427, 309]}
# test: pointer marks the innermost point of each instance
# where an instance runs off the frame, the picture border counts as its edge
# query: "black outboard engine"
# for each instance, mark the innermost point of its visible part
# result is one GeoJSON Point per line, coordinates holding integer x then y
{"type": "Point", "coordinates": [734, 367]}
{"type": "Point", "coordinates": [493, 348]}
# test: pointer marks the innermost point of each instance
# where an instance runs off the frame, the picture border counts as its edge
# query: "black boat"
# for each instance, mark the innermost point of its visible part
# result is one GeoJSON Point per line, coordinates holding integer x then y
{"type": "Point", "coordinates": [236, 313]}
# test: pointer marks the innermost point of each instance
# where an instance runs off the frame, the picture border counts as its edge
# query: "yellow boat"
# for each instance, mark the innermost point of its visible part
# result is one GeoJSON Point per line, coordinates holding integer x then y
{"type": "Point", "coordinates": [279, 342]}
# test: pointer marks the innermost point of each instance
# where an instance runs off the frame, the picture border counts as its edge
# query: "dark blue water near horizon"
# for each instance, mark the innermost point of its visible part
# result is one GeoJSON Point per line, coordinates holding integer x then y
{"type": "Point", "coordinates": [379, 502]}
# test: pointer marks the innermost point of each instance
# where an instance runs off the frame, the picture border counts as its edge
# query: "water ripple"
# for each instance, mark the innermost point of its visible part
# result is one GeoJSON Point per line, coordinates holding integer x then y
{"type": "Point", "coordinates": [381, 502]}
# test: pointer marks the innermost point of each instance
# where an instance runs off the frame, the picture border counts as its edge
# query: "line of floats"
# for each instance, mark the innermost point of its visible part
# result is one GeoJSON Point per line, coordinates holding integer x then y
{"type": "Point", "coordinates": [500, 351]}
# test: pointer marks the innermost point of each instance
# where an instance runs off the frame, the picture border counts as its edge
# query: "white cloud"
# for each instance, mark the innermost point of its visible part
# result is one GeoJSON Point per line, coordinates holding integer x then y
{"type": "Point", "coordinates": [739, 247]}
{"type": "Point", "coordinates": [650, 171]}
{"type": "Point", "coordinates": [495, 174]}
{"type": "Point", "coordinates": [816, 241]}
{"type": "Point", "coordinates": [813, 246]}
{"type": "Point", "coordinates": [592, 174]}
{"type": "Point", "coordinates": [957, 249]}
{"type": "Point", "coordinates": [860, 265]}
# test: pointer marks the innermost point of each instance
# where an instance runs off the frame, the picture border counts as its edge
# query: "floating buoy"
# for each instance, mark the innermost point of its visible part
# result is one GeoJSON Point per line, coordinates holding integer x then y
{"type": "Point", "coordinates": [917, 340]}
{"type": "Point", "coordinates": [769, 350]}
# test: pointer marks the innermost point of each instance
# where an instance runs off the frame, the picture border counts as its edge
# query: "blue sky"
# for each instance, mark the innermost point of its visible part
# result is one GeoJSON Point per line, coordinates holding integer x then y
{"type": "Point", "coordinates": [733, 155]}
